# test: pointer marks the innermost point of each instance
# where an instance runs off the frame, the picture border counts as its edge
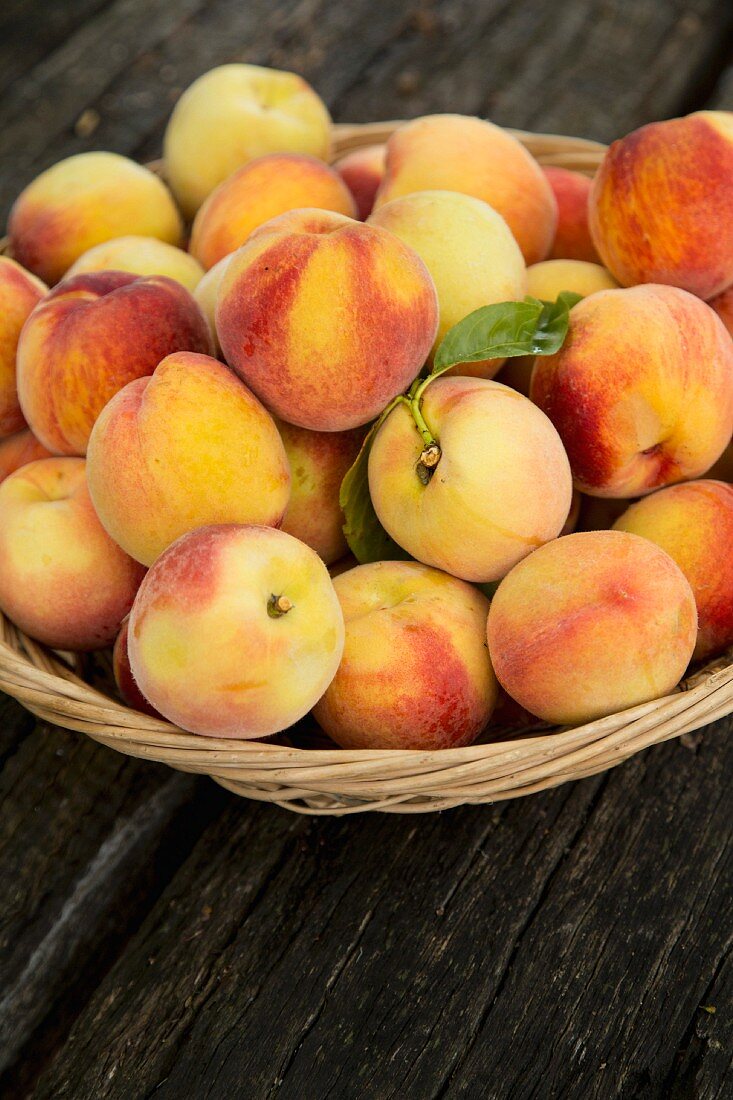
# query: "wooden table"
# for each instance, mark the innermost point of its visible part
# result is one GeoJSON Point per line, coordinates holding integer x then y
{"type": "Point", "coordinates": [160, 937]}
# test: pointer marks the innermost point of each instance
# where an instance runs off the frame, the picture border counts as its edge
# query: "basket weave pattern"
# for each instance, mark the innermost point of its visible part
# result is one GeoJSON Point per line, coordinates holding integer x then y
{"type": "Point", "coordinates": [339, 781]}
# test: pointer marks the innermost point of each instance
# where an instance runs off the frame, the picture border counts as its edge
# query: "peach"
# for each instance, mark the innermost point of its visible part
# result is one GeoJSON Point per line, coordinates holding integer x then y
{"type": "Point", "coordinates": [189, 446]}
{"type": "Point", "coordinates": [141, 256]}
{"type": "Point", "coordinates": [230, 116]}
{"type": "Point", "coordinates": [18, 450]}
{"type": "Point", "coordinates": [551, 277]}
{"type": "Point", "coordinates": [89, 337]}
{"type": "Point", "coordinates": [661, 207]}
{"type": "Point", "coordinates": [20, 293]}
{"type": "Point", "coordinates": [318, 465]}
{"type": "Point", "coordinates": [362, 171]}
{"type": "Point", "coordinates": [62, 578]}
{"type": "Point", "coordinates": [236, 631]}
{"type": "Point", "coordinates": [572, 236]}
{"type": "Point", "coordinates": [124, 679]}
{"type": "Point", "coordinates": [259, 191]}
{"type": "Point", "coordinates": [693, 522]}
{"type": "Point", "coordinates": [81, 202]}
{"type": "Point", "coordinates": [327, 319]}
{"type": "Point", "coordinates": [469, 251]}
{"type": "Point", "coordinates": [206, 294]}
{"type": "Point", "coordinates": [415, 673]}
{"type": "Point", "coordinates": [591, 624]}
{"type": "Point", "coordinates": [642, 390]}
{"type": "Point", "coordinates": [500, 488]}
{"type": "Point", "coordinates": [458, 153]}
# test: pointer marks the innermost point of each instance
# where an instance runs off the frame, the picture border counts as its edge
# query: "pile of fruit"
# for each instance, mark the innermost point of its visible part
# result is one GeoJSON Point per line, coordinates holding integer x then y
{"type": "Point", "coordinates": [252, 434]}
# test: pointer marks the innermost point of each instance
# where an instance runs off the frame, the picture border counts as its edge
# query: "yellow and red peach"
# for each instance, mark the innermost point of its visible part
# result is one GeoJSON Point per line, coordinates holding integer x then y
{"type": "Point", "coordinates": [63, 580]}
{"type": "Point", "coordinates": [572, 236]}
{"type": "Point", "coordinates": [20, 293]}
{"type": "Point", "coordinates": [236, 631]}
{"type": "Point", "coordinates": [591, 624]}
{"type": "Point", "coordinates": [693, 522]}
{"type": "Point", "coordinates": [327, 319]}
{"type": "Point", "coordinates": [458, 153]}
{"type": "Point", "coordinates": [642, 390]}
{"type": "Point", "coordinates": [363, 171]}
{"type": "Point", "coordinates": [661, 207]}
{"type": "Point", "coordinates": [415, 673]}
{"type": "Point", "coordinates": [500, 488]}
{"type": "Point", "coordinates": [189, 446]}
{"type": "Point", "coordinates": [124, 679]}
{"type": "Point", "coordinates": [258, 192]}
{"type": "Point", "coordinates": [18, 450]}
{"type": "Point", "coordinates": [141, 256]}
{"type": "Point", "coordinates": [318, 465]}
{"type": "Point", "coordinates": [469, 251]}
{"type": "Point", "coordinates": [81, 202]}
{"type": "Point", "coordinates": [230, 116]}
{"type": "Point", "coordinates": [89, 337]}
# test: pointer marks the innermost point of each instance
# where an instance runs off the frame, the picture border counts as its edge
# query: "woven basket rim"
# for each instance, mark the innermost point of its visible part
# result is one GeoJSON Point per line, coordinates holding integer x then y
{"type": "Point", "coordinates": [343, 781]}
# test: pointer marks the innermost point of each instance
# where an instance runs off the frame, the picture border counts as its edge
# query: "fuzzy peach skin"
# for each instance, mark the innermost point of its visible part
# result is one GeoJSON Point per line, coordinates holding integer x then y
{"type": "Point", "coordinates": [469, 251]}
{"type": "Point", "coordinates": [661, 207]}
{"type": "Point", "coordinates": [62, 578]}
{"type": "Point", "coordinates": [141, 256]}
{"type": "Point", "coordinates": [206, 293]}
{"type": "Point", "coordinates": [230, 116]}
{"type": "Point", "coordinates": [259, 191]}
{"type": "Point", "coordinates": [693, 522]}
{"type": "Point", "coordinates": [91, 336]}
{"type": "Point", "coordinates": [124, 679]}
{"type": "Point", "coordinates": [363, 171]}
{"type": "Point", "coordinates": [327, 319]}
{"type": "Point", "coordinates": [20, 293]}
{"type": "Point", "coordinates": [318, 464]}
{"type": "Point", "coordinates": [189, 446]}
{"type": "Point", "coordinates": [18, 450]}
{"type": "Point", "coordinates": [458, 153]}
{"type": "Point", "coordinates": [236, 631]}
{"type": "Point", "coordinates": [501, 488]}
{"type": "Point", "coordinates": [591, 624]}
{"type": "Point", "coordinates": [415, 673]}
{"type": "Point", "coordinates": [572, 236]}
{"type": "Point", "coordinates": [642, 390]}
{"type": "Point", "coordinates": [81, 202]}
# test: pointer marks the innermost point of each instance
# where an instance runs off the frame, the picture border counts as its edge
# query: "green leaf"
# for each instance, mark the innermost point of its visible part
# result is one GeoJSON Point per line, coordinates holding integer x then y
{"type": "Point", "coordinates": [367, 539]}
{"type": "Point", "coordinates": [506, 329]}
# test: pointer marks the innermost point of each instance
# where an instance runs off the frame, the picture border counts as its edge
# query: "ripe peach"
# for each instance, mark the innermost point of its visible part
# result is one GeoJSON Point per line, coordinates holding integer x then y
{"type": "Point", "coordinates": [642, 390]}
{"type": "Point", "coordinates": [82, 201]}
{"type": "Point", "coordinates": [206, 294]}
{"type": "Point", "coordinates": [318, 465]}
{"type": "Point", "coordinates": [469, 251]}
{"type": "Point", "coordinates": [661, 207]}
{"type": "Point", "coordinates": [20, 292]}
{"type": "Point", "coordinates": [694, 524]}
{"type": "Point", "coordinates": [457, 153]}
{"type": "Point", "coordinates": [501, 486]}
{"type": "Point", "coordinates": [572, 236]}
{"type": "Point", "coordinates": [591, 624]}
{"type": "Point", "coordinates": [141, 256]}
{"type": "Point", "coordinates": [551, 277]}
{"type": "Point", "coordinates": [187, 447]}
{"type": "Point", "coordinates": [236, 631]}
{"type": "Point", "coordinates": [124, 679]}
{"type": "Point", "coordinates": [327, 319]}
{"type": "Point", "coordinates": [62, 578]}
{"type": "Point", "coordinates": [259, 191]}
{"type": "Point", "coordinates": [90, 336]}
{"type": "Point", "coordinates": [18, 450]}
{"type": "Point", "coordinates": [230, 116]}
{"type": "Point", "coordinates": [362, 171]}
{"type": "Point", "coordinates": [415, 673]}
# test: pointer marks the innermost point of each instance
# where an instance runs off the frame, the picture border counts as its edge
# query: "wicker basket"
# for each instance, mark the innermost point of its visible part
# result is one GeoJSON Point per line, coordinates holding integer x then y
{"type": "Point", "coordinates": [323, 780]}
